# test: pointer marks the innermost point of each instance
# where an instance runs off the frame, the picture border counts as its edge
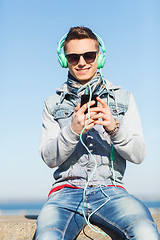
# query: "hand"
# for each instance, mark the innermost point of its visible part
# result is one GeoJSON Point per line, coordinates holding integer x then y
{"type": "Point", "coordinates": [79, 119]}
{"type": "Point", "coordinates": [103, 111]}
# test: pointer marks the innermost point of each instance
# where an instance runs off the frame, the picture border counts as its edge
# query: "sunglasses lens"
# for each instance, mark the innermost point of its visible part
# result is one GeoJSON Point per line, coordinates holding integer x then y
{"type": "Point", "coordinates": [72, 58]}
{"type": "Point", "coordinates": [89, 57]}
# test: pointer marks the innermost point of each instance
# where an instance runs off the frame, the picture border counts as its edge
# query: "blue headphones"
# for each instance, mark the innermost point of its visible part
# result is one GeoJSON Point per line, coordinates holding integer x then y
{"type": "Point", "coordinates": [63, 60]}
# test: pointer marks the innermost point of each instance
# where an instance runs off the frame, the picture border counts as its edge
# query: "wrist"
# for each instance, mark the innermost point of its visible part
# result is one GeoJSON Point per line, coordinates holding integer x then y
{"type": "Point", "coordinates": [73, 130]}
{"type": "Point", "coordinates": [115, 129]}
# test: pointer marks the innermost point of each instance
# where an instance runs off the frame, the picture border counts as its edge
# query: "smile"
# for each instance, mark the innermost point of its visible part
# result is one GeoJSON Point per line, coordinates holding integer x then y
{"type": "Point", "coordinates": [83, 69]}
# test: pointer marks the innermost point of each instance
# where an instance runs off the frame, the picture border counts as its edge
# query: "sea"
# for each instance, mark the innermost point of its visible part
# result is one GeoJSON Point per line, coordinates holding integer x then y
{"type": "Point", "coordinates": [34, 208]}
{"type": "Point", "coordinates": [20, 208]}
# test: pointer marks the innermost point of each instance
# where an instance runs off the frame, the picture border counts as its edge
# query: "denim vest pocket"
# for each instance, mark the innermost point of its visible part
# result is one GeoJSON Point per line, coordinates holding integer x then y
{"type": "Point", "coordinates": [63, 116]}
{"type": "Point", "coordinates": [62, 113]}
{"type": "Point", "coordinates": [119, 110]}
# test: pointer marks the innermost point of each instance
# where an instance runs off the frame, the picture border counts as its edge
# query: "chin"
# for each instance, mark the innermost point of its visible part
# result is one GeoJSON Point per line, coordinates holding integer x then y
{"type": "Point", "coordinates": [84, 78]}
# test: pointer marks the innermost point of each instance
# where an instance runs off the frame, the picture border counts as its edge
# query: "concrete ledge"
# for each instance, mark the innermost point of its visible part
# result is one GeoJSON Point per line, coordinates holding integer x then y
{"type": "Point", "coordinates": [24, 227]}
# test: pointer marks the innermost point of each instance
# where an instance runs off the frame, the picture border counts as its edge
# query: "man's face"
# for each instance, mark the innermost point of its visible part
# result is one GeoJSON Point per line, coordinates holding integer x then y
{"type": "Point", "coordinates": [82, 71]}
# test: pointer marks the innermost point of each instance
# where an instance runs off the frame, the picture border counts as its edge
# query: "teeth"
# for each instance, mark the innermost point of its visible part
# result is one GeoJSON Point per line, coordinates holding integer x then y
{"type": "Point", "coordinates": [82, 69]}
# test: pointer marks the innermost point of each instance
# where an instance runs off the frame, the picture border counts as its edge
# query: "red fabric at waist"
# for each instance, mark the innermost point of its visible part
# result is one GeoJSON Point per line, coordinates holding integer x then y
{"type": "Point", "coordinates": [67, 185]}
{"type": "Point", "coordinates": [60, 187]}
{"type": "Point", "coordinates": [116, 186]}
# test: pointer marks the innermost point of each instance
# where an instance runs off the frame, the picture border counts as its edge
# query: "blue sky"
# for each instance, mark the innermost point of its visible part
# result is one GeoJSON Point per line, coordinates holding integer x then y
{"type": "Point", "coordinates": [29, 72]}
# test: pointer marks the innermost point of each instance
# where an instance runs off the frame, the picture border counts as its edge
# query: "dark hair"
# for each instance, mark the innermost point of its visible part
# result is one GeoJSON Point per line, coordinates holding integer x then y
{"type": "Point", "coordinates": [80, 33]}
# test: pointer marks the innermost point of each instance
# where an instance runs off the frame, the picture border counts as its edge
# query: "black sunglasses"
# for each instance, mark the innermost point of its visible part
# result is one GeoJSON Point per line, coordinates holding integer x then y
{"type": "Point", "coordinates": [89, 57]}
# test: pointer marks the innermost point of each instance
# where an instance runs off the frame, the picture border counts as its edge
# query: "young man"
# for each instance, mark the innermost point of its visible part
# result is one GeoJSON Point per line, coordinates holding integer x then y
{"type": "Point", "coordinates": [89, 150]}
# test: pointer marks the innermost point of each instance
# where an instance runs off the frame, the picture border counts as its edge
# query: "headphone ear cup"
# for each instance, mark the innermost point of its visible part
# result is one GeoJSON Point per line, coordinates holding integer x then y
{"type": "Point", "coordinates": [63, 60]}
{"type": "Point", "coordinates": [101, 61]}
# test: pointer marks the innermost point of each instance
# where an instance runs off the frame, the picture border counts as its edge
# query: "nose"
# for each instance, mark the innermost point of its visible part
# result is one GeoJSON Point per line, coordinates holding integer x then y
{"type": "Point", "coordinates": [81, 62]}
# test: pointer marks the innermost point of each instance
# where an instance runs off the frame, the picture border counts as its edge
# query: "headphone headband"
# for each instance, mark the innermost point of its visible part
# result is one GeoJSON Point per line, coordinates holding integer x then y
{"type": "Point", "coordinates": [63, 60]}
{"type": "Point", "coordinates": [61, 43]}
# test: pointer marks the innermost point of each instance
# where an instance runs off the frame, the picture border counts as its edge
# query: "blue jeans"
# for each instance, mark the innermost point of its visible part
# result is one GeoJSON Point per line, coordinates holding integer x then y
{"type": "Point", "coordinates": [119, 214]}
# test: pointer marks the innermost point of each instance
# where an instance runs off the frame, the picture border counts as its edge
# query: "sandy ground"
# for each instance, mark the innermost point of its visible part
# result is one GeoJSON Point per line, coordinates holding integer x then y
{"type": "Point", "coordinates": [23, 228]}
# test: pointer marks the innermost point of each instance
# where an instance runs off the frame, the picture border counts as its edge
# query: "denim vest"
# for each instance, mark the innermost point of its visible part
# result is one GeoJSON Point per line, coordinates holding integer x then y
{"type": "Point", "coordinates": [79, 166]}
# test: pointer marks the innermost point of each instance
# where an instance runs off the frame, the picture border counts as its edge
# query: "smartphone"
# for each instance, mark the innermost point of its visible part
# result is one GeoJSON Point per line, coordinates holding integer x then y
{"type": "Point", "coordinates": [85, 99]}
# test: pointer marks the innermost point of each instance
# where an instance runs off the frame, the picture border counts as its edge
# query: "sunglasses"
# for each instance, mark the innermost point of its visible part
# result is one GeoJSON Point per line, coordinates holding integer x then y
{"type": "Point", "coordinates": [89, 57]}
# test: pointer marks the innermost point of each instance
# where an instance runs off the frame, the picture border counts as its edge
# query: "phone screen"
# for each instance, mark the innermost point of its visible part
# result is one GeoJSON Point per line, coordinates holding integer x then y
{"type": "Point", "coordinates": [85, 99]}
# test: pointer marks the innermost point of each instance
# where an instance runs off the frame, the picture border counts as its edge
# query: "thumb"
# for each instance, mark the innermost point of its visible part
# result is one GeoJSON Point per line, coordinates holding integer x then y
{"type": "Point", "coordinates": [77, 107]}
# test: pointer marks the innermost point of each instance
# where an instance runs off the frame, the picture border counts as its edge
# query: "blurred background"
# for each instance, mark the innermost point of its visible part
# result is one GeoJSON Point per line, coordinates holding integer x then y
{"type": "Point", "coordinates": [29, 72]}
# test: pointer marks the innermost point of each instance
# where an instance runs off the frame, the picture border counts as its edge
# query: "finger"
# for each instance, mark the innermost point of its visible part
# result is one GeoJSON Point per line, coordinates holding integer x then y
{"type": "Point", "coordinates": [102, 102]}
{"type": "Point", "coordinates": [89, 126]}
{"type": "Point", "coordinates": [90, 114]}
{"type": "Point", "coordinates": [85, 106]}
{"type": "Point", "coordinates": [77, 107]}
{"type": "Point", "coordinates": [99, 122]}
{"type": "Point", "coordinates": [88, 120]}
{"type": "Point", "coordinates": [98, 109]}
{"type": "Point", "coordinates": [99, 115]}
